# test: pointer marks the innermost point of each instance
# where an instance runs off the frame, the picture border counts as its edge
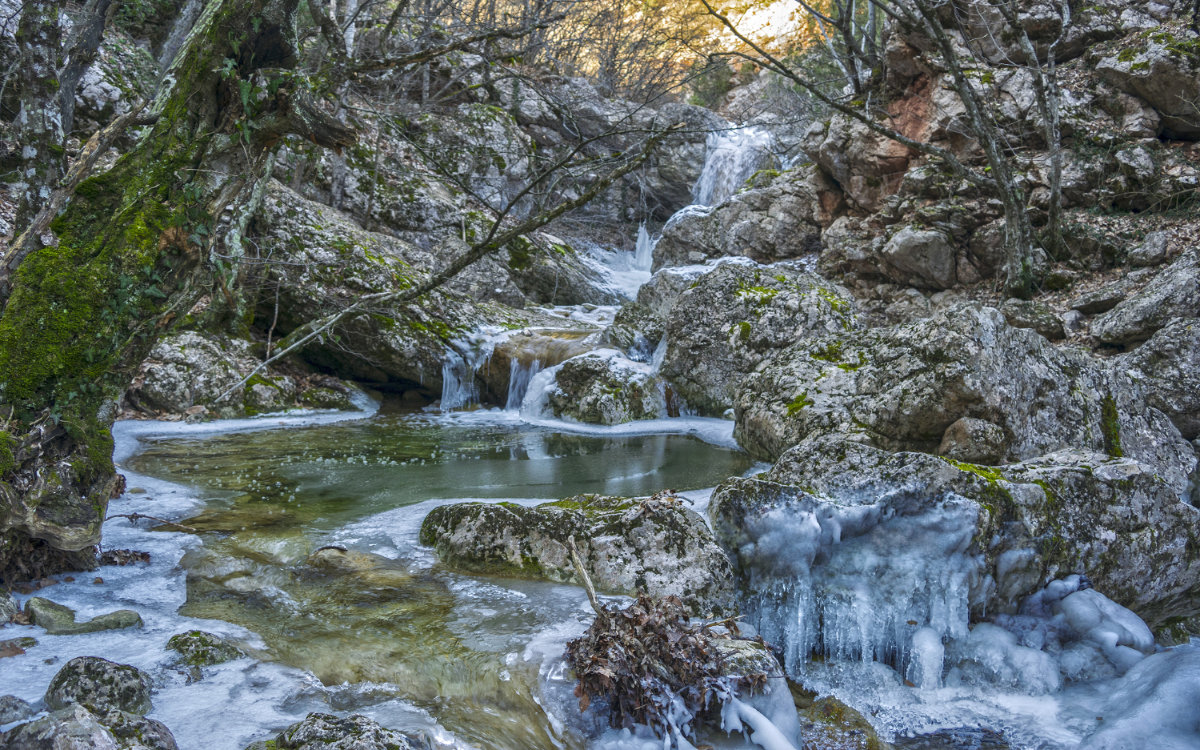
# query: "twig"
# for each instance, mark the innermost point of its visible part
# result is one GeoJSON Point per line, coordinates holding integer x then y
{"type": "Point", "coordinates": [135, 517]}
{"type": "Point", "coordinates": [584, 577]}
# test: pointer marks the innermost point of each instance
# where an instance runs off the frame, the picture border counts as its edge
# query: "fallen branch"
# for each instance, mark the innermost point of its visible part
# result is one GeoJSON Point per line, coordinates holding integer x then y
{"type": "Point", "coordinates": [584, 577]}
{"type": "Point", "coordinates": [135, 517]}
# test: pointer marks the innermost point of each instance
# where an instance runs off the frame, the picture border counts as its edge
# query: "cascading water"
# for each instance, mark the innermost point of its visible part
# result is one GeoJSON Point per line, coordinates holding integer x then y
{"type": "Point", "coordinates": [463, 359]}
{"type": "Point", "coordinates": [733, 156]}
{"type": "Point", "coordinates": [518, 382]}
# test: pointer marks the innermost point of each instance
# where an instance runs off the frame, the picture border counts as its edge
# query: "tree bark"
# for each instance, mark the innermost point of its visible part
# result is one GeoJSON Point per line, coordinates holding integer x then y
{"type": "Point", "coordinates": [129, 257]}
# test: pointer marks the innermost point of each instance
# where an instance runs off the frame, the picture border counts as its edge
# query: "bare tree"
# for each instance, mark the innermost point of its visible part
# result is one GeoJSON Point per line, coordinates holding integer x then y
{"type": "Point", "coordinates": [1000, 175]}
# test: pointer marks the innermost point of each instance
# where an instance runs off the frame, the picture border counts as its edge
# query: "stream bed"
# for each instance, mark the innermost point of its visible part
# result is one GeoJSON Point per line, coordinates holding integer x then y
{"type": "Point", "coordinates": [469, 661]}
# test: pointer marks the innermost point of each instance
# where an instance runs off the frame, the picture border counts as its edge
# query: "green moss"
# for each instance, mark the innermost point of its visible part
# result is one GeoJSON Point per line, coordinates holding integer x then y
{"type": "Point", "coordinates": [796, 405]}
{"type": "Point", "coordinates": [7, 461]}
{"type": "Point", "coordinates": [1127, 54]}
{"type": "Point", "coordinates": [830, 352]}
{"type": "Point", "coordinates": [986, 472]}
{"type": "Point", "coordinates": [743, 330]}
{"type": "Point", "coordinates": [1110, 427]}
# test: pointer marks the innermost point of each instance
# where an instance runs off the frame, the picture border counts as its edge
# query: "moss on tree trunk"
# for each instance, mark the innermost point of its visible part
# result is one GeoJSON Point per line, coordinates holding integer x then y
{"type": "Point", "coordinates": [131, 255]}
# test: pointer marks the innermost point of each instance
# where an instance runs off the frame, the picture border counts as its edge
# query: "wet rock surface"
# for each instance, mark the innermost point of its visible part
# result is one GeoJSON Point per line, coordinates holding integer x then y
{"type": "Point", "coordinates": [100, 685]}
{"type": "Point", "coordinates": [60, 620]}
{"type": "Point", "coordinates": [197, 648]}
{"type": "Point", "coordinates": [655, 546]}
{"type": "Point", "coordinates": [77, 727]}
{"type": "Point", "coordinates": [319, 731]}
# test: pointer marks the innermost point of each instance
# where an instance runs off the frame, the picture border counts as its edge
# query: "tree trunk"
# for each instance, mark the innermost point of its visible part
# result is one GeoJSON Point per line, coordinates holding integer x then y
{"type": "Point", "coordinates": [39, 127]}
{"type": "Point", "coordinates": [130, 257]}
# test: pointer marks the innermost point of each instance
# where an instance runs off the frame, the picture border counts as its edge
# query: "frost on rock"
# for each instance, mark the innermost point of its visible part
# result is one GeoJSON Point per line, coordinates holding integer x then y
{"type": "Point", "coordinates": [886, 578]}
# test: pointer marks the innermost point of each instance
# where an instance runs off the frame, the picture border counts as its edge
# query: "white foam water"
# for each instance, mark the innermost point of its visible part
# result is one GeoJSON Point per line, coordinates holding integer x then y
{"type": "Point", "coordinates": [732, 157]}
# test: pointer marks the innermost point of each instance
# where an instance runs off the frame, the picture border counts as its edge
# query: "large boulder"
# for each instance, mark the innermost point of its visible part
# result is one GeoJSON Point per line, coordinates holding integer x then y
{"type": "Point", "coordinates": [778, 219]}
{"type": "Point", "coordinates": [604, 387]}
{"type": "Point", "coordinates": [732, 319]}
{"type": "Point", "coordinates": [320, 731]}
{"type": "Point", "coordinates": [199, 649]}
{"type": "Point", "coordinates": [100, 685]}
{"type": "Point", "coordinates": [1173, 293]}
{"type": "Point", "coordinates": [1162, 66]}
{"type": "Point", "coordinates": [190, 373]}
{"type": "Point", "coordinates": [78, 728]}
{"type": "Point", "coordinates": [920, 257]}
{"type": "Point", "coordinates": [626, 546]}
{"type": "Point", "coordinates": [901, 388]}
{"type": "Point", "coordinates": [1168, 365]}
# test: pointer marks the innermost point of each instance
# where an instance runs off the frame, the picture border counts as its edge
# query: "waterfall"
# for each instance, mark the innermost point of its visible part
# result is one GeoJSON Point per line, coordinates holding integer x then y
{"type": "Point", "coordinates": [643, 255]}
{"type": "Point", "coordinates": [732, 157]}
{"type": "Point", "coordinates": [463, 359]}
{"type": "Point", "coordinates": [519, 376]}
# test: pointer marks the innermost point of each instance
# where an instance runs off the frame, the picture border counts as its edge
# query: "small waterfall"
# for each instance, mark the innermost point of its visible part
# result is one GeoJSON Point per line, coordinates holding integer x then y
{"type": "Point", "coordinates": [643, 255]}
{"type": "Point", "coordinates": [519, 376]}
{"type": "Point", "coordinates": [733, 156]}
{"type": "Point", "coordinates": [463, 359]}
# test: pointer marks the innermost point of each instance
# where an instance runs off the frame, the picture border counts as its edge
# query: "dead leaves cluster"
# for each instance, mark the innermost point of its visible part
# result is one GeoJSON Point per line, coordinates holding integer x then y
{"type": "Point", "coordinates": [638, 660]}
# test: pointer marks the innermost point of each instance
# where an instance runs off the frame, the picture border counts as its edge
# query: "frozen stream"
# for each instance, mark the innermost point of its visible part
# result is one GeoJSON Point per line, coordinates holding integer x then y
{"type": "Point", "coordinates": [469, 661]}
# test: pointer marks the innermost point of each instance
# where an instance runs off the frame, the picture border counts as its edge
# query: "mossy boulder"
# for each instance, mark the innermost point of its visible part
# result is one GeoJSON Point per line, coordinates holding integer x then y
{"type": "Point", "coordinates": [101, 686]}
{"type": "Point", "coordinates": [76, 726]}
{"type": "Point", "coordinates": [320, 731]}
{"type": "Point", "coordinates": [627, 546]}
{"type": "Point", "coordinates": [604, 387]}
{"type": "Point", "coordinates": [733, 319]}
{"type": "Point", "coordinates": [903, 387]}
{"type": "Point", "coordinates": [60, 620]}
{"type": "Point", "coordinates": [199, 649]}
{"type": "Point", "coordinates": [1035, 521]}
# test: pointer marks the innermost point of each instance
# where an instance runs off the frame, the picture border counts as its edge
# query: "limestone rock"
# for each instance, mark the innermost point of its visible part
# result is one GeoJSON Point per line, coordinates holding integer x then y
{"type": "Point", "coordinates": [77, 728]}
{"type": "Point", "coordinates": [900, 388]}
{"type": "Point", "coordinates": [778, 220]}
{"type": "Point", "coordinates": [923, 258]}
{"type": "Point", "coordinates": [1038, 520]}
{"type": "Point", "coordinates": [8, 609]}
{"type": "Point", "coordinates": [60, 620]}
{"type": "Point", "coordinates": [1159, 68]}
{"type": "Point", "coordinates": [604, 387]}
{"type": "Point", "coordinates": [1151, 251]}
{"type": "Point", "coordinates": [1035, 315]}
{"type": "Point", "coordinates": [1173, 293]}
{"type": "Point", "coordinates": [199, 649]}
{"type": "Point", "coordinates": [13, 709]}
{"type": "Point", "coordinates": [975, 441]}
{"type": "Point", "coordinates": [101, 685]}
{"type": "Point", "coordinates": [627, 546]}
{"type": "Point", "coordinates": [1168, 365]}
{"type": "Point", "coordinates": [327, 732]}
{"type": "Point", "coordinates": [734, 318]}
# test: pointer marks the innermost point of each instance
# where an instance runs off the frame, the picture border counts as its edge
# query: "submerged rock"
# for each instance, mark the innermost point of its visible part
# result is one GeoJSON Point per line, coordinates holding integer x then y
{"type": "Point", "coordinates": [100, 685]}
{"type": "Point", "coordinates": [76, 728]}
{"type": "Point", "coordinates": [199, 649]}
{"type": "Point", "coordinates": [327, 732]}
{"type": "Point", "coordinates": [60, 620]}
{"type": "Point", "coordinates": [626, 546]}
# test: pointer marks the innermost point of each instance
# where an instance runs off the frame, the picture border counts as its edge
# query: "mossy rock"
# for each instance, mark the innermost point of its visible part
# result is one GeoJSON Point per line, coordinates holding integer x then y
{"type": "Point", "coordinates": [101, 686]}
{"type": "Point", "coordinates": [60, 620]}
{"type": "Point", "coordinates": [628, 546]}
{"type": "Point", "coordinates": [199, 649]}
